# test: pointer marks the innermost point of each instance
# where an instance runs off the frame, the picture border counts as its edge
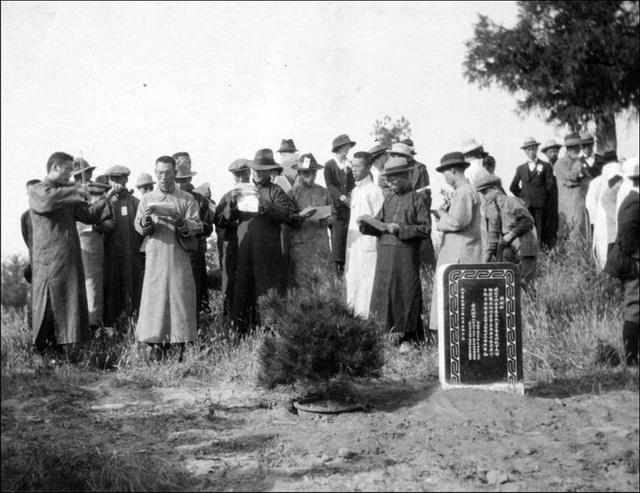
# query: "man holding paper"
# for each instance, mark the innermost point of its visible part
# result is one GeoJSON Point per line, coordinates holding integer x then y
{"type": "Point", "coordinates": [310, 249]}
{"type": "Point", "coordinates": [256, 210]}
{"type": "Point", "coordinates": [169, 217]}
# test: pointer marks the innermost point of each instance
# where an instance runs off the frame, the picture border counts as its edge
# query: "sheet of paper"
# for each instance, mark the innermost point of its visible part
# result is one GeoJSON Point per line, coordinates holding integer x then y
{"type": "Point", "coordinates": [162, 209]}
{"type": "Point", "coordinates": [322, 212]}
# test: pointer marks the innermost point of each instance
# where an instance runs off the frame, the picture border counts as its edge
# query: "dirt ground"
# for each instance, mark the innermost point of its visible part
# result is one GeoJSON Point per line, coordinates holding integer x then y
{"type": "Point", "coordinates": [413, 436]}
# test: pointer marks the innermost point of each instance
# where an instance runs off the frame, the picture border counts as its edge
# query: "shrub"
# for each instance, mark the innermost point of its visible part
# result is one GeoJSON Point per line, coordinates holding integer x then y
{"type": "Point", "coordinates": [15, 290]}
{"type": "Point", "coordinates": [316, 337]}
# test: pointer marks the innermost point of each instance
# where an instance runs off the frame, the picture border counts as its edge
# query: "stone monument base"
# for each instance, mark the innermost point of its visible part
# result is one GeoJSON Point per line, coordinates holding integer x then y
{"type": "Point", "coordinates": [511, 388]}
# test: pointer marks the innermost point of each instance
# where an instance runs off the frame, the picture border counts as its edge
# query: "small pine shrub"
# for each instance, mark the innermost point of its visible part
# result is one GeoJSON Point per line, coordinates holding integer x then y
{"type": "Point", "coordinates": [315, 337]}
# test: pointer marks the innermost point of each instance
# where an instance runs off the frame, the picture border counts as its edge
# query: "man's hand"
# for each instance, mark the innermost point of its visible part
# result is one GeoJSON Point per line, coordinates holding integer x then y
{"type": "Point", "coordinates": [505, 240]}
{"type": "Point", "coordinates": [115, 189]}
{"type": "Point", "coordinates": [436, 214]}
{"type": "Point", "coordinates": [146, 214]}
{"type": "Point", "coordinates": [347, 202]}
{"type": "Point", "coordinates": [393, 228]}
{"type": "Point", "coordinates": [177, 218]}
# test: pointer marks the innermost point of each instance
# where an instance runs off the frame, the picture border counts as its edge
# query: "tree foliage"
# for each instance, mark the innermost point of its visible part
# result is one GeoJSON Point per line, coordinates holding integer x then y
{"type": "Point", "coordinates": [385, 132]}
{"type": "Point", "coordinates": [575, 61]}
{"type": "Point", "coordinates": [15, 290]}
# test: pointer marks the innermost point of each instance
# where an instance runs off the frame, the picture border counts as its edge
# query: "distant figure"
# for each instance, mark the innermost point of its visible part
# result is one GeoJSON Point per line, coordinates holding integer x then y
{"type": "Point", "coordinates": [535, 184]}
{"type": "Point", "coordinates": [551, 150]}
{"type": "Point", "coordinates": [360, 267]}
{"type": "Point", "coordinates": [512, 233]}
{"type": "Point", "coordinates": [145, 183]}
{"type": "Point", "coordinates": [288, 158]}
{"type": "Point", "coordinates": [91, 244]}
{"type": "Point", "coordinates": [124, 268]}
{"type": "Point", "coordinates": [60, 315]}
{"type": "Point", "coordinates": [198, 257]}
{"type": "Point", "coordinates": [589, 158]}
{"type": "Point", "coordinates": [228, 234]}
{"type": "Point", "coordinates": [628, 253]}
{"type": "Point", "coordinates": [27, 233]}
{"type": "Point", "coordinates": [570, 173]}
{"type": "Point", "coordinates": [379, 156]}
{"type": "Point", "coordinates": [339, 179]}
{"type": "Point", "coordinates": [169, 217]}
{"type": "Point", "coordinates": [256, 212]}
{"type": "Point", "coordinates": [474, 153]}
{"type": "Point", "coordinates": [310, 247]}
{"type": "Point", "coordinates": [459, 222]}
{"type": "Point", "coordinates": [396, 299]}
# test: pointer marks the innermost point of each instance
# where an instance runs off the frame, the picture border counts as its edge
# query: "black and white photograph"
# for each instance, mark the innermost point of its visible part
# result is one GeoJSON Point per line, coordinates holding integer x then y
{"type": "Point", "coordinates": [320, 246]}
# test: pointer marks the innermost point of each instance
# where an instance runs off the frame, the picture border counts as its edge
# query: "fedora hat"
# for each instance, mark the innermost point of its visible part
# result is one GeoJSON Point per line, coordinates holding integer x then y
{"type": "Point", "coordinates": [263, 161]}
{"type": "Point", "coordinates": [488, 181]}
{"type": "Point", "coordinates": [80, 165]}
{"type": "Point", "coordinates": [307, 162]}
{"type": "Point", "coordinates": [530, 142]}
{"type": "Point", "coordinates": [469, 145]}
{"type": "Point", "coordinates": [452, 159]}
{"type": "Point", "coordinates": [117, 170]}
{"type": "Point", "coordinates": [396, 165]}
{"type": "Point", "coordinates": [341, 140]}
{"type": "Point", "coordinates": [144, 179]}
{"type": "Point", "coordinates": [287, 145]}
{"type": "Point", "coordinates": [376, 150]}
{"type": "Point", "coordinates": [550, 144]}
{"type": "Point", "coordinates": [572, 140]}
{"type": "Point", "coordinates": [239, 165]}
{"type": "Point", "coordinates": [586, 138]}
{"type": "Point", "coordinates": [203, 189]}
{"type": "Point", "coordinates": [183, 170]}
{"type": "Point", "coordinates": [401, 149]}
{"type": "Point", "coordinates": [409, 142]}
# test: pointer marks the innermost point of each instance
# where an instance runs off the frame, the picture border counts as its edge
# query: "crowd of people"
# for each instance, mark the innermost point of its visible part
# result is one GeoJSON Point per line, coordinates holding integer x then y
{"type": "Point", "coordinates": [100, 256]}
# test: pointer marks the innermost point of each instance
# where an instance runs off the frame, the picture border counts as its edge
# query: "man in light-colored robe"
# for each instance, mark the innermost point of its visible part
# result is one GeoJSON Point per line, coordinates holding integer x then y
{"type": "Point", "coordinates": [168, 304]}
{"type": "Point", "coordinates": [366, 199]}
{"type": "Point", "coordinates": [460, 223]}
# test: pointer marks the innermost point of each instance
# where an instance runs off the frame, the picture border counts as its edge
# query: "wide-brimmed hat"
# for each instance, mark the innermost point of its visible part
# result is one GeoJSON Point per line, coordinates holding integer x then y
{"type": "Point", "coordinates": [409, 142]}
{"type": "Point", "coordinates": [530, 142]}
{"type": "Point", "coordinates": [80, 165]}
{"type": "Point", "coordinates": [586, 138]}
{"type": "Point", "coordinates": [183, 170]}
{"type": "Point", "coordinates": [396, 165]}
{"type": "Point", "coordinates": [572, 140]}
{"type": "Point", "coordinates": [550, 144]}
{"type": "Point", "coordinates": [630, 168]}
{"type": "Point", "coordinates": [376, 150]}
{"type": "Point", "coordinates": [470, 145]}
{"type": "Point", "coordinates": [144, 179]}
{"type": "Point", "coordinates": [203, 189]}
{"type": "Point", "coordinates": [401, 149]}
{"type": "Point", "coordinates": [488, 181]}
{"type": "Point", "coordinates": [287, 145]}
{"type": "Point", "coordinates": [307, 162]}
{"type": "Point", "coordinates": [117, 170]}
{"type": "Point", "coordinates": [452, 159]}
{"type": "Point", "coordinates": [263, 161]}
{"type": "Point", "coordinates": [239, 165]}
{"type": "Point", "coordinates": [341, 140]}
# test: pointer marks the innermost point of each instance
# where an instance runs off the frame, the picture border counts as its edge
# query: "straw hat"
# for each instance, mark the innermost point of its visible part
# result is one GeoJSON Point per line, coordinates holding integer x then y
{"type": "Point", "coordinates": [144, 179]}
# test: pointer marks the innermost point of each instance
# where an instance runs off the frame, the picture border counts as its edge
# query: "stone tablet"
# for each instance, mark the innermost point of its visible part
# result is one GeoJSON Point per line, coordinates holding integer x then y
{"type": "Point", "coordinates": [480, 329]}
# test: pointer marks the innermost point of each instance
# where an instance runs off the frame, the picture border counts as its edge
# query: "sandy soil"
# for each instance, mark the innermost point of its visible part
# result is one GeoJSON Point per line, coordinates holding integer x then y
{"type": "Point", "coordinates": [413, 436]}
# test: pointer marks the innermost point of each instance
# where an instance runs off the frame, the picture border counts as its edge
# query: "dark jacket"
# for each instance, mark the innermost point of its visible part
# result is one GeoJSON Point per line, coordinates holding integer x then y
{"type": "Point", "coordinates": [537, 188]}
{"type": "Point", "coordinates": [339, 183]}
{"type": "Point", "coordinates": [628, 227]}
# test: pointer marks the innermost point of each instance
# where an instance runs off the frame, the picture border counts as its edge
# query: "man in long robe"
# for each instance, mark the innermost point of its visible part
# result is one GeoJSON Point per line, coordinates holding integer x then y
{"type": "Point", "coordinates": [366, 200]}
{"type": "Point", "coordinates": [60, 315]}
{"type": "Point", "coordinates": [260, 265]}
{"type": "Point", "coordinates": [124, 268]}
{"type": "Point", "coordinates": [396, 300]}
{"type": "Point", "coordinates": [228, 235]}
{"type": "Point", "coordinates": [571, 175]}
{"type": "Point", "coordinates": [309, 245]}
{"type": "Point", "coordinates": [459, 222]}
{"type": "Point", "coordinates": [169, 217]}
{"type": "Point", "coordinates": [198, 258]}
{"type": "Point", "coordinates": [339, 180]}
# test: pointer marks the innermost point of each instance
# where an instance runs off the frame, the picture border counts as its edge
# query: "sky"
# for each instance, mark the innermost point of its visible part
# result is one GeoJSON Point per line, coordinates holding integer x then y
{"type": "Point", "coordinates": [127, 82]}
